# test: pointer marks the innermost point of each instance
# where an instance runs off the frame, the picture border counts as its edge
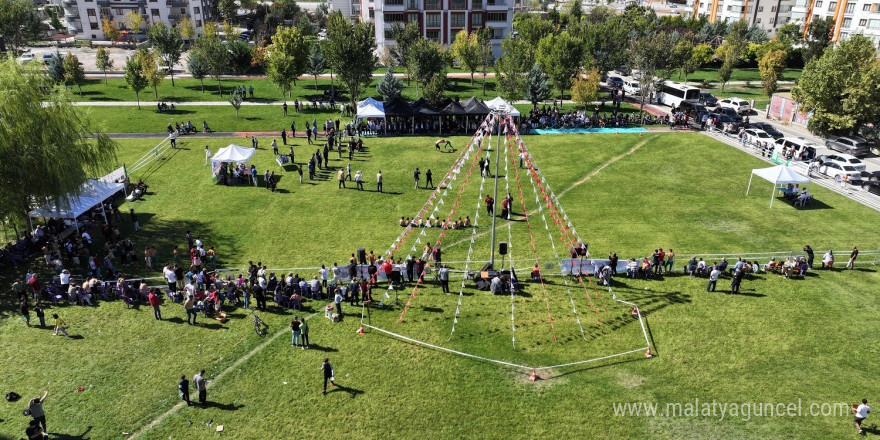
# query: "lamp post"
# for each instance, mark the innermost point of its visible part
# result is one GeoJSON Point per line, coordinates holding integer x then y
{"type": "Point", "coordinates": [498, 114]}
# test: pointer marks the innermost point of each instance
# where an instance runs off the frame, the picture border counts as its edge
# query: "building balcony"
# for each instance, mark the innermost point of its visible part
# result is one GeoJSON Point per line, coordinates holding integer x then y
{"type": "Point", "coordinates": [71, 15]}
{"type": "Point", "coordinates": [496, 3]}
{"type": "Point", "coordinates": [177, 3]}
{"type": "Point", "coordinates": [458, 5]}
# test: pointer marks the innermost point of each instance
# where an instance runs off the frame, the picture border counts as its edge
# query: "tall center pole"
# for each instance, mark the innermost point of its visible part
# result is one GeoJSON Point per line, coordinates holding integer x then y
{"type": "Point", "coordinates": [494, 206]}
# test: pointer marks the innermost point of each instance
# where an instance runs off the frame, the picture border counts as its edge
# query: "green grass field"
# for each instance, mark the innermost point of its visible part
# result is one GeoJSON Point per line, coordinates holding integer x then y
{"type": "Point", "coordinates": [779, 340]}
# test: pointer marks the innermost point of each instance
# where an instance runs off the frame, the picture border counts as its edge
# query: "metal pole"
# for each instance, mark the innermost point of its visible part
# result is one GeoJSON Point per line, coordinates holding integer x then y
{"type": "Point", "coordinates": [498, 157]}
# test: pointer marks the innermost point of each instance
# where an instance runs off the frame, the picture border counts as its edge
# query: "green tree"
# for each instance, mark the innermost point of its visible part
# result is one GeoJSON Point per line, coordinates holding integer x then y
{"type": "Point", "coordinates": [198, 66]}
{"type": "Point", "coordinates": [73, 72]}
{"type": "Point", "coordinates": [134, 77]}
{"type": "Point", "coordinates": [150, 67]}
{"type": "Point", "coordinates": [486, 59]}
{"type": "Point", "coordinates": [702, 54]}
{"type": "Point", "coordinates": [405, 37]}
{"type": "Point", "coordinates": [235, 99]}
{"type": "Point", "coordinates": [511, 67]}
{"type": "Point", "coordinates": [563, 57]}
{"type": "Point", "coordinates": [350, 50]}
{"type": "Point", "coordinates": [725, 71]}
{"type": "Point", "coordinates": [287, 58]}
{"type": "Point", "coordinates": [316, 62]}
{"type": "Point", "coordinates": [427, 60]}
{"type": "Point", "coordinates": [818, 38]}
{"type": "Point", "coordinates": [575, 10]}
{"type": "Point", "coordinates": [434, 90]}
{"type": "Point", "coordinates": [187, 30]}
{"type": "Point", "coordinates": [305, 26]}
{"type": "Point", "coordinates": [789, 35]}
{"type": "Point", "coordinates": [771, 66]}
{"type": "Point", "coordinates": [168, 43]}
{"type": "Point", "coordinates": [467, 51]}
{"type": "Point", "coordinates": [43, 165]}
{"type": "Point", "coordinates": [103, 62]}
{"type": "Point", "coordinates": [604, 43]}
{"type": "Point", "coordinates": [585, 88]}
{"type": "Point", "coordinates": [19, 22]}
{"type": "Point", "coordinates": [531, 29]}
{"type": "Point", "coordinates": [134, 21]}
{"type": "Point", "coordinates": [110, 30]}
{"type": "Point", "coordinates": [832, 87]}
{"type": "Point", "coordinates": [683, 58]}
{"type": "Point", "coordinates": [390, 87]}
{"type": "Point", "coordinates": [55, 67]}
{"type": "Point", "coordinates": [229, 31]}
{"type": "Point", "coordinates": [651, 57]}
{"type": "Point", "coordinates": [240, 56]}
{"type": "Point", "coordinates": [228, 9]}
{"type": "Point", "coordinates": [214, 54]}
{"type": "Point", "coordinates": [537, 87]}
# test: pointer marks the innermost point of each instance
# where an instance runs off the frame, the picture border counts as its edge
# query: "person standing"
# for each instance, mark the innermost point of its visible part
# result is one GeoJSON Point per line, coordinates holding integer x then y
{"type": "Point", "coordinates": [183, 389]}
{"type": "Point", "coordinates": [429, 180]}
{"type": "Point", "coordinates": [153, 299]}
{"type": "Point", "coordinates": [308, 133]}
{"type": "Point", "coordinates": [59, 325]}
{"type": "Point", "coordinates": [337, 299]}
{"type": "Point", "coordinates": [328, 374]}
{"type": "Point", "coordinates": [255, 143]}
{"type": "Point", "coordinates": [304, 334]}
{"type": "Point", "coordinates": [173, 138]}
{"type": "Point", "coordinates": [669, 264]}
{"type": "Point", "coordinates": [284, 108]}
{"type": "Point", "coordinates": [810, 255]}
{"type": "Point", "coordinates": [860, 414]}
{"type": "Point", "coordinates": [299, 169]}
{"type": "Point", "coordinates": [295, 332]}
{"type": "Point", "coordinates": [189, 306]}
{"type": "Point", "coordinates": [852, 258]}
{"type": "Point", "coordinates": [416, 175]}
{"type": "Point", "coordinates": [275, 146]}
{"type": "Point", "coordinates": [379, 181]}
{"type": "Point", "coordinates": [359, 180]}
{"type": "Point", "coordinates": [23, 308]}
{"type": "Point", "coordinates": [207, 155]}
{"type": "Point", "coordinates": [35, 409]}
{"type": "Point", "coordinates": [134, 221]}
{"type": "Point", "coordinates": [713, 278]}
{"type": "Point", "coordinates": [490, 205]}
{"type": "Point", "coordinates": [284, 138]}
{"type": "Point", "coordinates": [736, 281]}
{"type": "Point", "coordinates": [40, 315]}
{"type": "Point", "coordinates": [340, 176]}
{"type": "Point", "coordinates": [443, 274]}
{"type": "Point", "coordinates": [251, 89]}
{"type": "Point", "coordinates": [201, 386]}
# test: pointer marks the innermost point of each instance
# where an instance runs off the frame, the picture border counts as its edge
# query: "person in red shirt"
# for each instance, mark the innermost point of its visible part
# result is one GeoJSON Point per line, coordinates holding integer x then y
{"type": "Point", "coordinates": [388, 268]}
{"type": "Point", "coordinates": [490, 205]}
{"type": "Point", "coordinates": [153, 299]}
{"type": "Point", "coordinates": [36, 288]}
{"type": "Point", "coordinates": [662, 264]}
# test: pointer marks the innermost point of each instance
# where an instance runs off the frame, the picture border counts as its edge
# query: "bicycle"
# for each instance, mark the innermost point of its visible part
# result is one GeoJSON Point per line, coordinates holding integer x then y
{"type": "Point", "coordinates": [260, 327]}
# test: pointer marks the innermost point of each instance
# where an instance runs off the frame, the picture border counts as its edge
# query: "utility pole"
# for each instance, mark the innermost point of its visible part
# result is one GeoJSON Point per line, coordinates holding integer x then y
{"type": "Point", "coordinates": [498, 114]}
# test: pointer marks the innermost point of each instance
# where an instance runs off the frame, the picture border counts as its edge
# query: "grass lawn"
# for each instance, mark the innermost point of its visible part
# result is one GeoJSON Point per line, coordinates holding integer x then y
{"type": "Point", "coordinates": [623, 193]}
{"type": "Point", "coordinates": [189, 90]}
{"type": "Point", "coordinates": [740, 74]}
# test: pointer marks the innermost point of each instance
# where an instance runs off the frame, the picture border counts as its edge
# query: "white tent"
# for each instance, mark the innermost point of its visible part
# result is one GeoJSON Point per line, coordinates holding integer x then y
{"type": "Point", "coordinates": [233, 153]}
{"type": "Point", "coordinates": [370, 101]}
{"type": "Point", "coordinates": [370, 111]}
{"type": "Point", "coordinates": [778, 175]}
{"type": "Point", "coordinates": [500, 104]}
{"type": "Point", "coordinates": [90, 194]}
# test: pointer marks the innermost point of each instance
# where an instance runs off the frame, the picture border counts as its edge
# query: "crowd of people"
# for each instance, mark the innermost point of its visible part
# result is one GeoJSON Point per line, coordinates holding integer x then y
{"type": "Point", "coordinates": [551, 117]}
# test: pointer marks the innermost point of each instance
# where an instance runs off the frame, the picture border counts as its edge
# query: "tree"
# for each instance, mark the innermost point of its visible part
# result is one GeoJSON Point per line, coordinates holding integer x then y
{"type": "Point", "coordinates": [390, 87]}
{"type": "Point", "coordinates": [43, 165]}
{"type": "Point", "coordinates": [229, 31]}
{"type": "Point", "coordinates": [405, 37]}
{"type": "Point", "coordinates": [350, 50]}
{"type": "Point", "coordinates": [316, 63]}
{"type": "Point", "coordinates": [771, 66]}
{"type": "Point", "coordinates": [214, 55]}
{"type": "Point", "coordinates": [585, 88]}
{"type": "Point", "coordinates": [110, 30]}
{"type": "Point", "coordinates": [134, 21]}
{"type": "Point", "coordinates": [240, 56]}
{"type": "Point", "coordinates": [305, 26]}
{"type": "Point", "coordinates": [103, 62]}
{"type": "Point", "coordinates": [512, 66]}
{"type": "Point", "coordinates": [725, 71]}
{"type": "Point", "coordinates": [134, 77]}
{"type": "Point", "coordinates": [832, 87]}
{"type": "Point", "coordinates": [537, 87]}
{"type": "Point", "coordinates": [198, 66]}
{"type": "Point", "coordinates": [227, 8]}
{"type": "Point", "coordinates": [650, 56]}
{"type": "Point", "coordinates": [575, 10]}
{"type": "Point", "coordinates": [702, 54]}
{"type": "Point", "coordinates": [818, 38]}
{"type": "Point", "coordinates": [486, 59]}
{"type": "Point", "coordinates": [150, 68]}
{"type": "Point", "coordinates": [74, 72]}
{"type": "Point", "coordinates": [427, 60]}
{"type": "Point", "coordinates": [683, 58]}
{"type": "Point", "coordinates": [287, 58]}
{"type": "Point", "coordinates": [55, 68]}
{"type": "Point", "coordinates": [235, 99]}
{"type": "Point", "coordinates": [562, 56]}
{"type": "Point", "coordinates": [789, 35]}
{"type": "Point", "coordinates": [466, 49]}
{"type": "Point", "coordinates": [168, 43]}
{"type": "Point", "coordinates": [187, 30]}
{"type": "Point", "coordinates": [19, 22]}
{"type": "Point", "coordinates": [433, 91]}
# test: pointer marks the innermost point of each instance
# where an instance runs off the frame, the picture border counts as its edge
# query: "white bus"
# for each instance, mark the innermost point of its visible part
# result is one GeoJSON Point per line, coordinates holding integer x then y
{"type": "Point", "coordinates": [673, 93]}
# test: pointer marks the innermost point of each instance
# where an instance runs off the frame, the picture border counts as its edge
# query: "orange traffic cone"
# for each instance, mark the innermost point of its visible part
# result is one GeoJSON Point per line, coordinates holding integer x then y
{"type": "Point", "coordinates": [534, 377]}
{"type": "Point", "coordinates": [360, 331]}
{"type": "Point", "coordinates": [648, 353]}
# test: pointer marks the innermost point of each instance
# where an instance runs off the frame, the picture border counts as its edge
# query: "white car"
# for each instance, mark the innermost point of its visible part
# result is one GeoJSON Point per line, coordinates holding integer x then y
{"type": "Point", "coordinates": [740, 105]}
{"type": "Point", "coordinates": [26, 58]}
{"type": "Point", "coordinates": [834, 169]}
{"type": "Point", "coordinates": [844, 160]}
{"type": "Point", "coordinates": [757, 138]}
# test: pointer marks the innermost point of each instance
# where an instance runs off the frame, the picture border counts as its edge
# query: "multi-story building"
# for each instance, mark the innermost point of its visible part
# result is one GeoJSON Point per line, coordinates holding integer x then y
{"type": "Point", "coordinates": [850, 17]}
{"type": "Point", "coordinates": [83, 17]}
{"type": "Point", "coordinates": [440, 20]}
{"type": "Point", "coordinates": [769, 15]}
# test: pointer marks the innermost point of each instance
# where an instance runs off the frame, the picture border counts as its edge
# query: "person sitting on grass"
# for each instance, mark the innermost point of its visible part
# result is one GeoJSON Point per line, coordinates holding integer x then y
{"type": "Point", "coordinates": [536, 274]}
{"type": "Point", "coordinates": [632, 268]}
{"type": "Point", "coordinates": [828, 260]}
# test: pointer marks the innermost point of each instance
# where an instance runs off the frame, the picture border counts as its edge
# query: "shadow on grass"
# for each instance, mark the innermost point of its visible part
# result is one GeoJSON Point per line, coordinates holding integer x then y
{"type": "Point", "coordinates": [61, 436]}
{"type": "Point", "coordinates": [351, 391]}
{"type": "Point", "coordinates": [221, 406]}
{"type": "Point", "coordinates": [322, 348]}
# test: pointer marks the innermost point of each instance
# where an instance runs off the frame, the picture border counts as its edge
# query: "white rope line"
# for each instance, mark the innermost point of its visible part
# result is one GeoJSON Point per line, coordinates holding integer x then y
{"type": "Point", "coordinates": [512, 296]}
{"type": "Point", "coordinates": [150, 156]}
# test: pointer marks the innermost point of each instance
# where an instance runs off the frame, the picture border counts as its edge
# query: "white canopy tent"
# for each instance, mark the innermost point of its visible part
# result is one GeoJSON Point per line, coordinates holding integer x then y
{"type": "Point", "coordinates": [370, 108]}
{"type": "Point", "coordinates": [233, 153]}
{"type": "Point", "coordinates": [778, 175]}
{"type": "Point", "coordinates": [90, 194]}
{"type": "Point", "coordinates": [500, 104]}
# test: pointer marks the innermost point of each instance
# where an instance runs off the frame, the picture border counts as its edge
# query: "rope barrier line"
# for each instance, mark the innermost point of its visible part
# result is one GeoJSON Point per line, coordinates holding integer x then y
{"type": "Point", "coordinates": [151, 155]}
{"type": "Point", "coordinates": [512, 296]}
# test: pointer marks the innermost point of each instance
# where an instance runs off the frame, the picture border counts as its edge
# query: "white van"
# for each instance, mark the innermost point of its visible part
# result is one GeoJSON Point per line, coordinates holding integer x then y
{"type": "Point", "coordinates": [630, 86]}
{"type": "Point", "coordinates": [803, 149]}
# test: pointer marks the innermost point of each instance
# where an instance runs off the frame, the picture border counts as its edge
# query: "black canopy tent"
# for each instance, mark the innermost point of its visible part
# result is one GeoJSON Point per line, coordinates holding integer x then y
{"type": "Point", "coordinates": [421, 108]}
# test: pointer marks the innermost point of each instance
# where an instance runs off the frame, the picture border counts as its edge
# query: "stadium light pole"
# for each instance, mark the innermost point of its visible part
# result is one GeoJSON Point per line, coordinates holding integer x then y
{"type": "Point", "coordinates": [498, 114]}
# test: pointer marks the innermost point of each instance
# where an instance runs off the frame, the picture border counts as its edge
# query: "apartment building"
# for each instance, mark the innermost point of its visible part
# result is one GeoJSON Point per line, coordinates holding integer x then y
{"type": "Point", "coordinates": [850, 17]}
{"type": "Point", "coordinates": [440, 20]}
{"type": "Point", "coordinates": [769, 15]}
{"type": "Point", "coordinates": [83, 17]}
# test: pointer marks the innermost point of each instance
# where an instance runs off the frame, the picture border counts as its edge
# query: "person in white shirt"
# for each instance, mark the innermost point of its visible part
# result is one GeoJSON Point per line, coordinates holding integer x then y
{"type": "Point", "coordinates": [323, 273]}
{"type": "Point", "coordinates": [713, 279]}
{"type": "Point", "coordinates": [170, 277]}
{"type": "Point", "coordinates": [861, 413]}
{"type": "Point", "coordinates": [87, 237]}
{"type": "Point", "coordinates": [64, 279]}
{"type": "Point", "coordinates": [207, 155]}
{"type": "Point", "coordinates": [379, 181]}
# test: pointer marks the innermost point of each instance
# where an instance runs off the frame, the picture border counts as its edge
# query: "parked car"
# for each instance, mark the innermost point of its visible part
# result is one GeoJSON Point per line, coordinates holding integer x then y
{"type": "Point", "coordinates": [775, 134]}
{"type": "Point", "coordinates": [834, 169]}
{"type": "Point", "coordinates": [695, 110]}
{"type": "Point", "coordinates": [741, 106]}
{"type": "Point", "coordinates": [872, 187]}
{"type": "Point", "coordinates": [850, 145]}
{"type": "Point", "coordinates": [615, 81]}
{"type": "Point", "coordinates": [708, 99]}
{"type": "Point", "coordinates": [731, 113]}
{"type": "Point", "coordinates": [26, 58]}
{"type": "Point", "coordinates": [803, 149]}
{"type": "Point", "coordinates": [722, 120]}
{"type": "Point", "coordinates": [246, 35]}
{"type": "Point", "coordinates": [844, 159]}
{"type": "Point", "coordinates": [757, 138]}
